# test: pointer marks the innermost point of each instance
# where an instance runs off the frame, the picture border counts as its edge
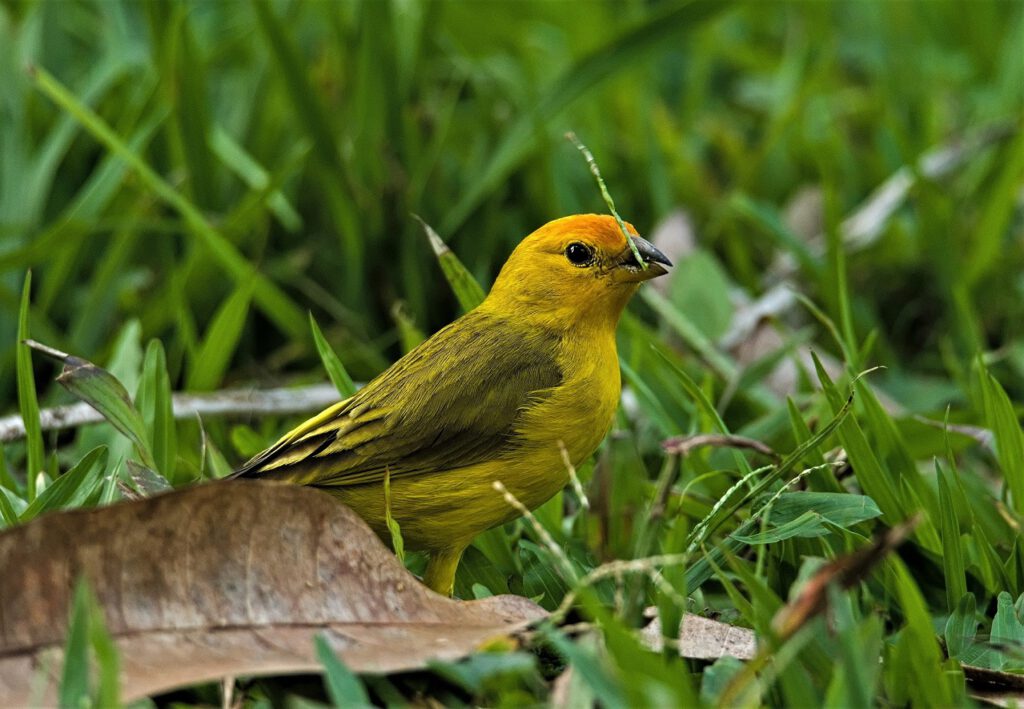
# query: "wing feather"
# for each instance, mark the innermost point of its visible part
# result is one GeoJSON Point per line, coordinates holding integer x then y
{"type": "Point", "coordinates": [451, 402]}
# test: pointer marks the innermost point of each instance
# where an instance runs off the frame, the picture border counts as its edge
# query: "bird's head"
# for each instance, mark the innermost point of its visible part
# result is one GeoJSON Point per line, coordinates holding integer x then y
{"type": "Point", "coordinates": [574, 269]}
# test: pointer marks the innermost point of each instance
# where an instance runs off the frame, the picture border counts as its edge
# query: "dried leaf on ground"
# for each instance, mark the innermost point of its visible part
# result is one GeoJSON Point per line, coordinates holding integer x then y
{"type": "Point", "coordinates": [702, 638]}
{"type": "Point", "coordinates": [231, 578]}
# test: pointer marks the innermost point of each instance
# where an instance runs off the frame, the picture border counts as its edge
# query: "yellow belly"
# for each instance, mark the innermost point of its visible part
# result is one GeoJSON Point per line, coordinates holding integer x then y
{"type": "Point", "coordinates": [446, 509]}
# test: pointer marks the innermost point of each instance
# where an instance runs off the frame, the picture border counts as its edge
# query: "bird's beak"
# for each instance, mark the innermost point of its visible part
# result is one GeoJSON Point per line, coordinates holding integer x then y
{"type": "Point", "coordinates": [652, 258]}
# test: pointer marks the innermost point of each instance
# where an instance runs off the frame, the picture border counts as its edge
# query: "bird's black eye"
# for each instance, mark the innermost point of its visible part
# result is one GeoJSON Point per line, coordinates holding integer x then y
{"type": "Point", "coordinates": [579, 254]}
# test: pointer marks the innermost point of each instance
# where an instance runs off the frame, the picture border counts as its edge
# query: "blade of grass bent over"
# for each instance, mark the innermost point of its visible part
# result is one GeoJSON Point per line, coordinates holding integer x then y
{"type": "Point", "coordinates": [101, 390]}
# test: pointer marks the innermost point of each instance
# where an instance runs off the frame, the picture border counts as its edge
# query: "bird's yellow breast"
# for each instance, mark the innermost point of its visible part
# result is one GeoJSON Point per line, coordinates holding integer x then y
{"type": "Point", "coordinates": [444, 508]}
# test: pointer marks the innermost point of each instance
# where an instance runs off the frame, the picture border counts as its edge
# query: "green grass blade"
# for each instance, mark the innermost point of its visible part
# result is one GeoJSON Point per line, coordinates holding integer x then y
{"type": "Point", "coordinates": [394, 529]}
{"type": "Point", "coordinates": [701, 570]}
{"type": "Point", "coordinates": [917, 643]}
{"type": "Point", "coordinates": [239, 161]}
{"type": "Point", "coordinates": [996, 214]}
{"type": "Point", "coordinates": [221, 340]}
{"type": "Point", "coordinates": [343, 687]}
{"type": "Point", "coordinates": [1002, 419]}
{"type": "Point", "coordinates": [873, 478]}
{"type": "Point", "coordinates": [661, 29]}
{"type": "Point", "coordinates": [466, 288]}
{"type": "Point", "coordinates": [952, 550]}
{"type": "Point", "coordinates": [154, 402]}
{"type": "Point", "coordinates": [332, 363]}
{"type": "Point", "coordinates": [88, 636]}
{"type": "Point", "coordinates": [334, 175]}
{"type": "Point", "coordinates": [27, 401]}
{"type": "Point", "coordinates": [690, 333]}
{"type": "Point", "coordinates": [606, 195]}
{"type": "Point", "coordinates": [192, 114]}
{"type": "Point", "coordinates": [274, 302]}
{"type": "Point", "coordinates": [72, 488]}
{"type": "Point", "coordinates": [74, 680]}
{"type": "Point", "coordinates": [7, 511]}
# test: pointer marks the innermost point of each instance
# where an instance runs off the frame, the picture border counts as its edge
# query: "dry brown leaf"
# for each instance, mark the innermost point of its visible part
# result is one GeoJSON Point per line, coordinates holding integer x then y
{"type": "Point", "coordinates": [994, 687]}
{"type": "Point", "coordinates": [231, 578]}
{"type": "Point", "coordinates": [702, 638]}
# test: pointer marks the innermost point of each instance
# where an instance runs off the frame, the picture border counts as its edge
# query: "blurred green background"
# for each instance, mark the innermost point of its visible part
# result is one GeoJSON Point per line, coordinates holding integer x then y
{"type": "Point", "coordinates": [845, 178]}
{"type": "Point", "coordinates": [306, 134]}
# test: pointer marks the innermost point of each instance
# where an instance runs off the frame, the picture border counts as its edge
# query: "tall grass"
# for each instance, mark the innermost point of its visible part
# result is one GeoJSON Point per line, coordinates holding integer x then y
{"type": "Point", "coordinates": [185, 180]}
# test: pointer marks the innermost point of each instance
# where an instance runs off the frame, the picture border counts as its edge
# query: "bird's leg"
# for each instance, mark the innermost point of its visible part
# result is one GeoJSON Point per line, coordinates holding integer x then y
{"type": "Point", "coordinates": [440, 573]}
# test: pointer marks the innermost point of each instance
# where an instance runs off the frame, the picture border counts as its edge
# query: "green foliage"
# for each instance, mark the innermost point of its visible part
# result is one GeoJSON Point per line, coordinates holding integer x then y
{"type": "Point", "coordinates": [28, 404]}
{"type": "Point", "coordinates": [87, 642]}
{"type": "Point", "coordinates": [332, 364]}
{"type": "Point", "coordinates": [343, 687]}
{"type": "Point", "coordinates": [196, 175]}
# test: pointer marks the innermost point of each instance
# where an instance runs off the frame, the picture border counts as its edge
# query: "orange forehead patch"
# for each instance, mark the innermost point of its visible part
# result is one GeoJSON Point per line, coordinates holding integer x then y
{"type": "Point", "coordinates": [601, 230]}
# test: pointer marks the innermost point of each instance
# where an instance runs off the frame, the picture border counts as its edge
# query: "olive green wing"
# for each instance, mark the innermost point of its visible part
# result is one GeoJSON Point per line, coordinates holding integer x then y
{"type": "Point", "coordinates": [451, 402]}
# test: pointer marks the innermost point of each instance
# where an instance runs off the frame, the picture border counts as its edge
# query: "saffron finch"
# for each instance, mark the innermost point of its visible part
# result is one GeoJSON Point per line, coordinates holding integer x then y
{"type": "Point", "coordinates": [494, 396]}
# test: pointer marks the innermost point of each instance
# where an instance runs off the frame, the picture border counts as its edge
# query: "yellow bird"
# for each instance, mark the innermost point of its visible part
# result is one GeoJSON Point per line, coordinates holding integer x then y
{"type": "Point", "coordinates": [494, 396]}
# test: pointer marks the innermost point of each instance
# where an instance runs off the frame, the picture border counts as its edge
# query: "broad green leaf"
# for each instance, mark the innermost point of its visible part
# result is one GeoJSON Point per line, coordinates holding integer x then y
{"type": "Point", "coordinates": [717, 677]}
{"type": "Point", "coordinates": [498, 548]}
{"type": "Point", "coordinates": [1006, 626]}
{"type": "Point", "coordinates": [961, 626]}
{"type": "Point", "coordinates": [584, 658]}
{"type": "Point", "coordinates": [840, 509]}
{"type": "Point", "coordinates": [700, 288]}
{"type": "Point", "coordinates": [808, 525]}
{"type": "Point", "coordinates": [478, 573]}
{"type": "Point", "coordinates": [332, 363]}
